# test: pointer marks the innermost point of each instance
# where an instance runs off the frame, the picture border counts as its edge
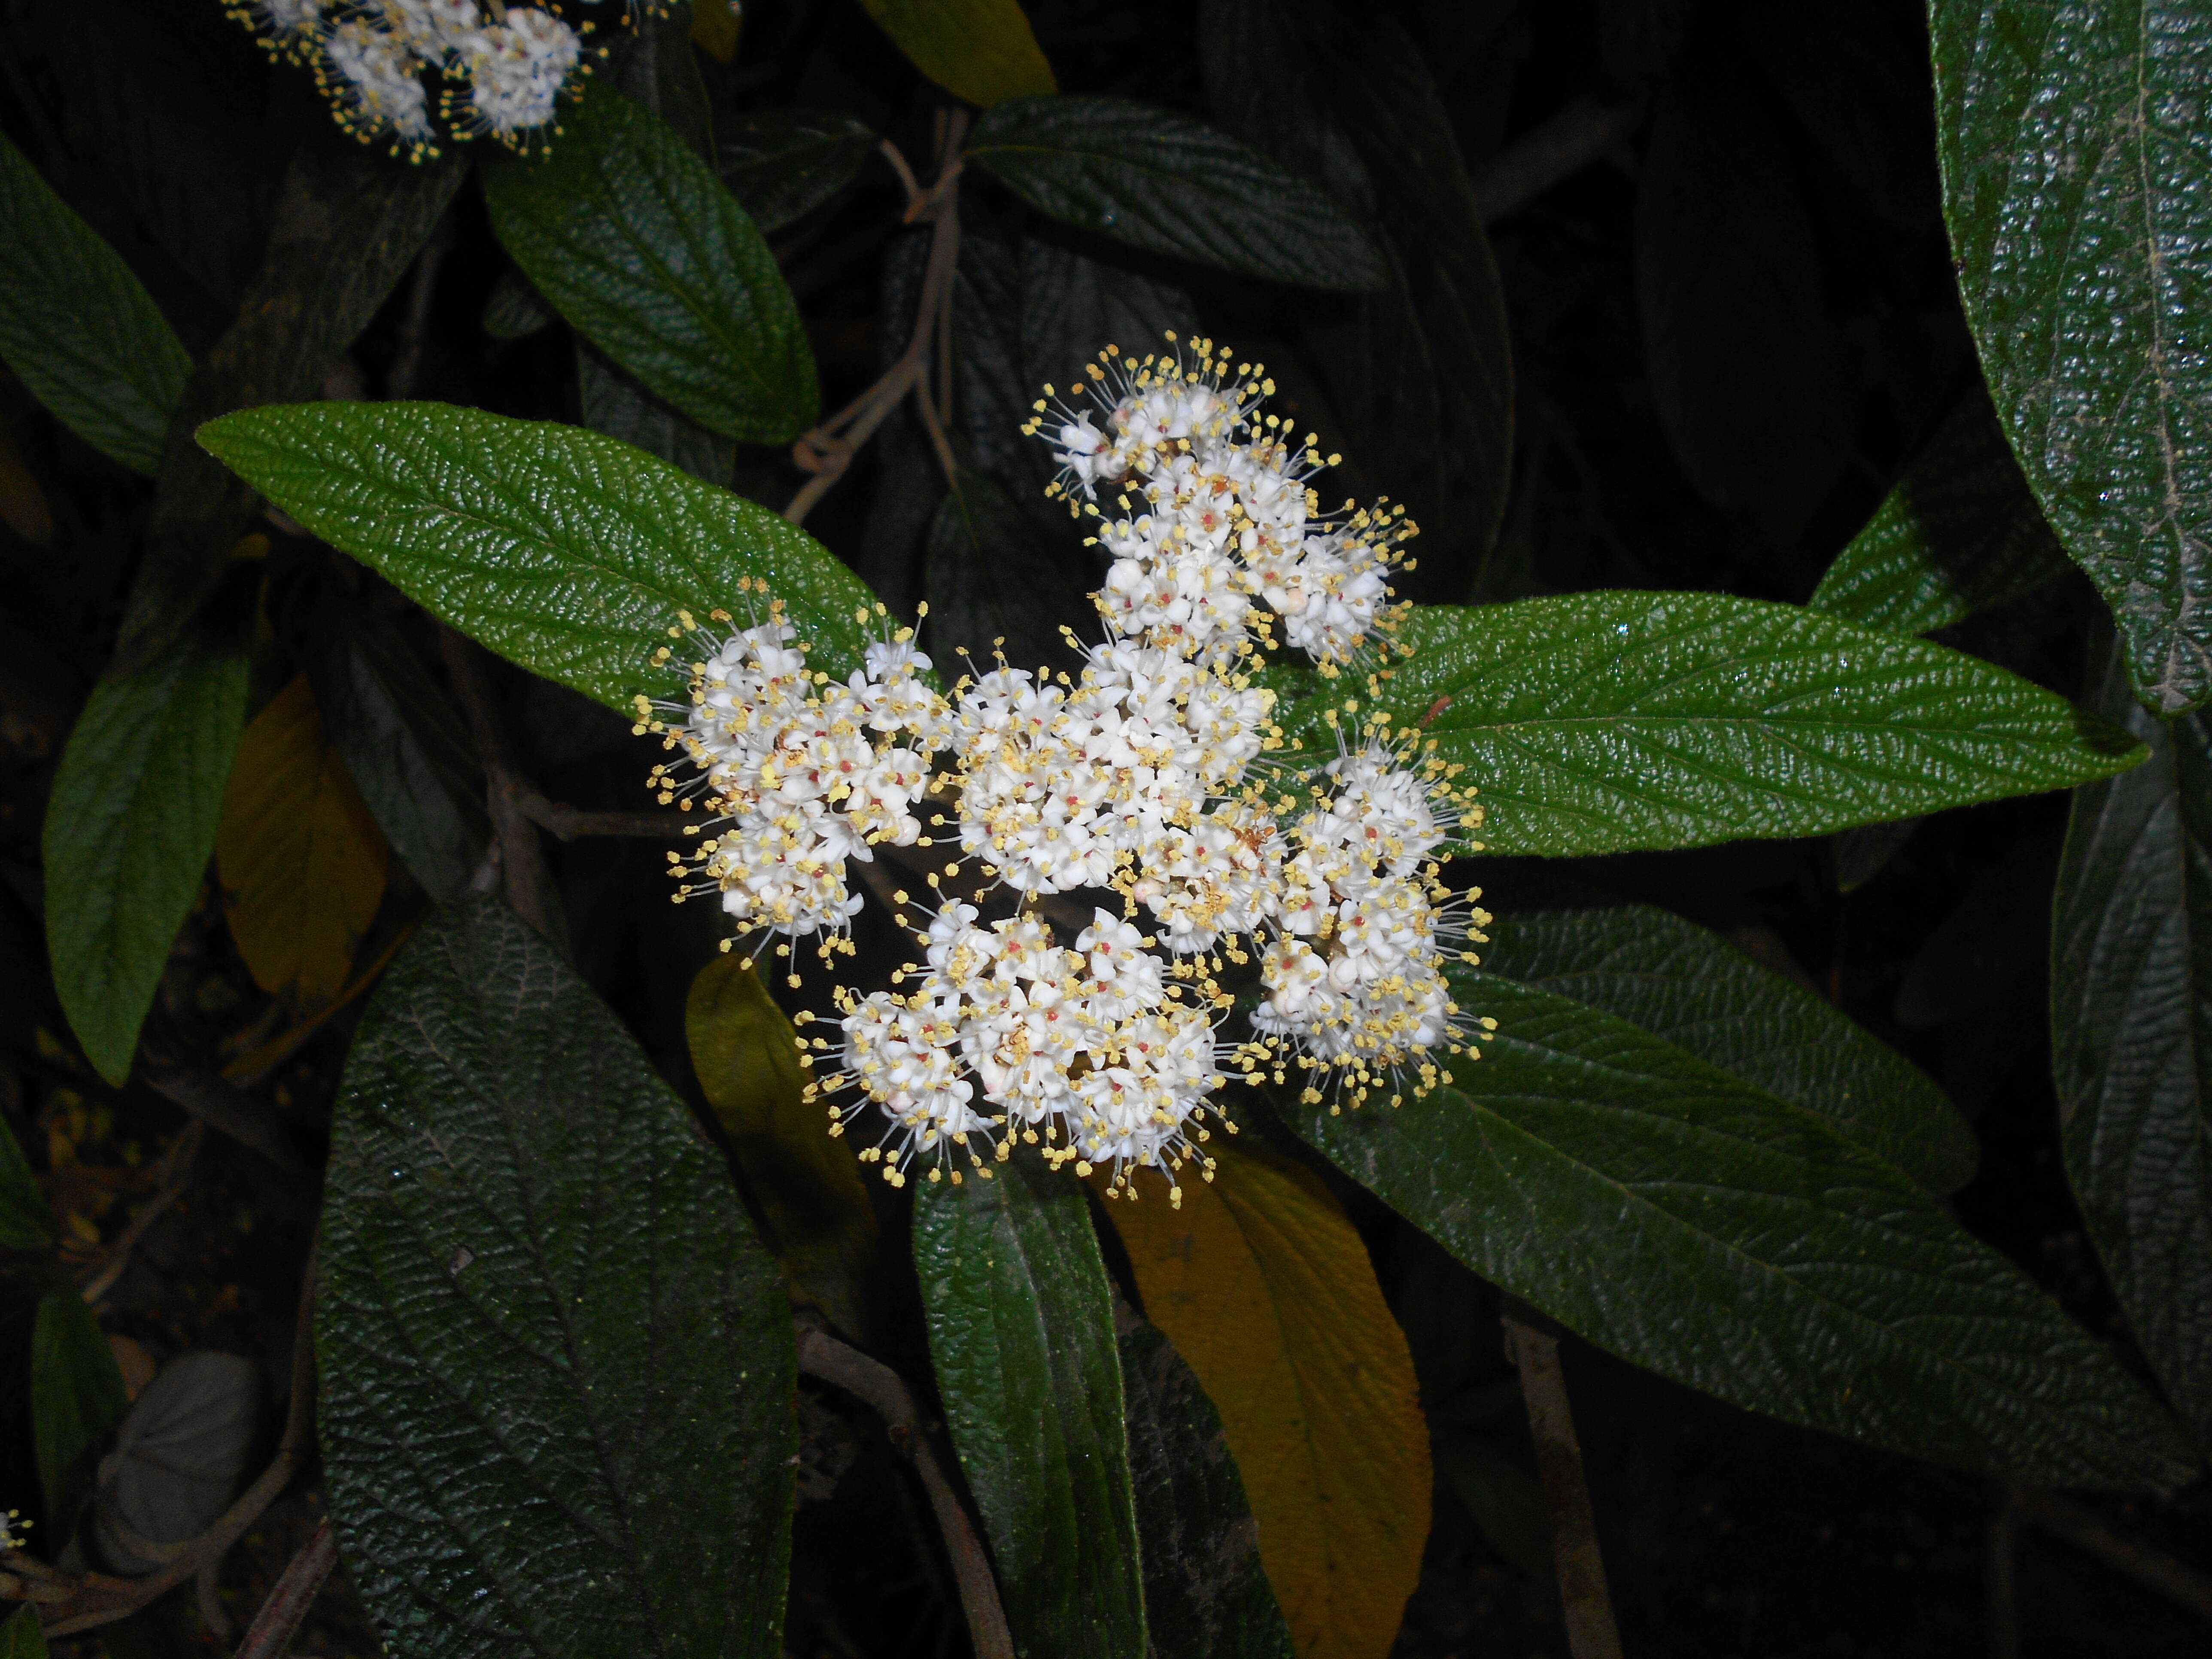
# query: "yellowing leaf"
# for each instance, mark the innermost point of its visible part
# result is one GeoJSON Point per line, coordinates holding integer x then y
{"type": "Point", "coordinates": [979, 49]}
{"type": "Point", "coordinates": [714, 26]}
{"type": "Point", "coordinates": [747, 1058]}
{"type": "Point", "coordinates": [303, 860]}
{"type": "Point", "coordinates": [1267, 1292]}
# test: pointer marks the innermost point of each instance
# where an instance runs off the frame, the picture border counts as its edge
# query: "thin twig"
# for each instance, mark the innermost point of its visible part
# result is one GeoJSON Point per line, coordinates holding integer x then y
{"type": "Point", "coordinates": [522, 859]}
{"type": "Point", "coordinates": [176, 1171]}
{"type": "Point", "coordinates": [1583, 1597]}
{"type": "Point", "coordinates": [69, 1603]}
{"type": "Point", "coordinates": [879, 1388]}
{"type": "Point", "coordinates": [1560, 147]}
{"type": "Point", "coordinates": [569, 821]}
{"type": "Point", "coordinates": [273, 1628]}
{"type": "Point", "coordinates": [896, 157]}
{"type": "Point", "coordinates": [2089, 1531]}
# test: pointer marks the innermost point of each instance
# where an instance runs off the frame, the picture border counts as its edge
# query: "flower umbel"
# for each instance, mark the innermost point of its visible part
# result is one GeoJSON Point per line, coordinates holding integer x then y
{"type": "Point", "coordinates": [1159, 851]}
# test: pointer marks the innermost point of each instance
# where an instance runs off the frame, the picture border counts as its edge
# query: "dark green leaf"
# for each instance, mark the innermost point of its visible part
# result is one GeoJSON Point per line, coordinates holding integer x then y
{"type": "Point", "coordinates": [784, 163]}
{"type": "Point", "coordinates": [635, 240]}
{"type": "Point", "coordinates": [76, 1394]}
{"type": "Point", "coordinates": [128, 829]}
{"type": "Point", "coordinates": [1601, 722]}
{"type": "Point", "coordinates": [23, 1637]}
{"type": "Point", "coordinates": [348, 224]}
{"type": "Point", "coordinates": [76, 327]}
{"type": "Point", "coordinates": [1207, 1595]}
{"type": "Point", "coordinates": [2131, 1037]}
{"type": "Point", "coordinates": [26, 1224]}
{"type": "Point", "coordinates": [2078, 188]}
{"type": "Point", "coordinates": [402, 740]}
{"type": "Point", "coordinates": [1691, 988]}
{"type": "Point", "coordinates": [979, 49]}
{"type": "Point", "coordinates": [1165, 183]}
{"type": "Point", "coordinates": [567, 552]}
{"type": "Point", "coordinates": [987, 587]}
{"type": "Point", "coordinates": [515, 310]}
{"type": "Point", "coordinates": [1020, 1329]}
{"type": "Point", "coordinates": [1693, 1224]}
{"type": "Point", "coordinates": [1961, 533]}
{"type": "Point", "coordinates": [557, 1368]}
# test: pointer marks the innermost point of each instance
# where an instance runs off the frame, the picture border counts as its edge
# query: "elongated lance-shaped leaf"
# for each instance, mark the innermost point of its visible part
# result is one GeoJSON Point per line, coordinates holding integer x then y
{"type": "Point", "coordinates": [1960, 533]}
{"type": "Point", "coordinates": [979, 49]}
{"type": "Point", "coordinates": [1693, 989]}
{"type": "Point", "coordinates": [636, 241]}
{"type": "Point", "coordinates": [1698, 1226]}
{"type": "Point", "coordinates": [1601, 722]}
{"type": "Point", "coordinates": [784, 163]}
{"type": "Point", "coordinates": [128, 827]}
{"type": "Point", "coordinates": [1170, 185]}
{"type": "Point", "coordinates": [557, 1372]}
{"type": "Point", "coordinates": [2132, 1036]}
{"type": "Point", "coordinates": [76, 326]}
{"type": "Point", "coordinates": [23, 1637]}
{"type": "Point", "coordinates": [2077, 184]}
{"type": "Point", "coordinates": [1021, 1331]}
{"type": "Point", "coordinates": [77, 1395]}
{"type": "Point", "coordinates": [566, 551]}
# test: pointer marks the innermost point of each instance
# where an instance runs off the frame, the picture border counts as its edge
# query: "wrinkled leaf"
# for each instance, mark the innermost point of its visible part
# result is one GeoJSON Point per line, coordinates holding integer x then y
{"type": "Point", "coordinates": [1170, 185]}
{"type": "Point", "coordinates": [631, 237]}
{"type": "Point", "coordinates": [1600, 722]}
{"type": "Point", "coordinates": [515, 310]}
{"type": "Point", "coordinates": [402, 741]}
{"type": "Point", "coordinates": [979, 49]}
{"type": "Point", "coordinates": [1961, 533]}
{"type": "Point", "coordinates": [1693, 989]}
{"type": "Point", "coordinates": [2078, 190]}
{"type": "Point", "coordinates": [178, 1458]}
{"type": "Point", "coordinates": [347, 224]}
{"type": "Point", "coordinates": [128, 829]}
{"type": "Point", "coordinates": [1021, 1331]}
{"type": "Point", "coordinates": [784, 163]}
{"type": "Point", "coordinates": [556, 1369]}
{"type": "Point", "coordinates": [76, 1394]}
{"type": "Point", "coordinates": [987, 590]}
{"type": "Point", "coordinates": [2131, 1029]}
{"type": "Point", "coordinates": [1206, 1594]}
{"type": "Point", "coordinates": [747, 1059]}
{"type": "Point", "coordinates": [565, 551]}
{"type": "Point", "coordinates": [1267, 1292]}
{"type": "Point", "coordinates": [77, 328]}
{"type": "Point", "coordinates": [1693, 1224]}
{"type": "Point", "coordinates": [303, 858]}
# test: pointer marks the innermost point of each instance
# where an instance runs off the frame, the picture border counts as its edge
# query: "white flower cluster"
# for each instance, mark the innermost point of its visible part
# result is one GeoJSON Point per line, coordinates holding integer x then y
{"type": "Point", "coordinates": [1156, 781]}
{"type": "Point", "coordinates": [504, 66]}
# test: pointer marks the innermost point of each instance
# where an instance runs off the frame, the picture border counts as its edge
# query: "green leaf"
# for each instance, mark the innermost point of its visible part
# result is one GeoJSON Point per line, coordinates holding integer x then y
{"type": "Point", "coordinates": [1205, 1594]}
{"type": "Point", "coordinates": [515, 310]}
{"type": "Point", "coordinates": [1692, 1223]}
{"type": "Point", "coordinates": [77, 328]}
{"type": "Point", "coordinates": [26, 1224]}
{"type": "Point", "coordinates": [1170, 185]}
{"type": "Point", "coordinates": [1693, 989]}
{"type": "Point", "coordinates": [128, 827]}
{"type": "Point", "coordinates": [632, 238]}
{"type": "Point", "coordinates": [348, 224]}
{"type": "Point", "coordinates": [1961, 533]}
{"type": "Point", "coordinates": [557, 1368]}
{"type": "Point", "coordinates": [2078, 189]}
{"type": "Point", "coordinates": [2131, 1037]}
{"type": "Point", "coordinates": [23, 1637]}
{"type": "Point", "coordinates": [784, 163]}
{"type": "Point", "coordinates": [77, 1395]}
{"type": "Point", "coordinates": [979, 49]}
{"type": "Point", "coordinates": [1021, 1330]}
{"type": "Point", "coordinates": [565, 551]}
{"type": "Point", "coordinates": [1602, 722]}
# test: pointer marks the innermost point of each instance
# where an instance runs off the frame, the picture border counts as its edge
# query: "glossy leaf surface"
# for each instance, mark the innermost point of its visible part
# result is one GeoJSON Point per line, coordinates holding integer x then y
{"type": "Point", "coordinates": [1601, 722]}
{"type": "Point", "coordinates": [1170, 185]}
{"type": "Point", "coordinates": [567, 552]}
{"type": "Point", "coordinates": [1267, 1292]}
{"type": "Point", "coordinates": [2131, 1031]}
{"type": "Point", "coordinates": [557, 1368]}
{"type": "Point", "coordinates": [76, 327]}
{"type": "Point", "coordinates": [1960, 533]}
{"type": "Point", "coordinates": [783, 164]}
{"type": "Point", "coordinates": [2078, 190]}
{"type": "Point", "coordinates": [1692, 988]}
{"type": "Point", "coordinates": [128, 829]}
{"type": "Point", "coordinates": [1692, 1223]}
{"type": "Point", "coordinates": [1021, 1331]}
{"type": "Point", "coordinates": [635, 240]}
